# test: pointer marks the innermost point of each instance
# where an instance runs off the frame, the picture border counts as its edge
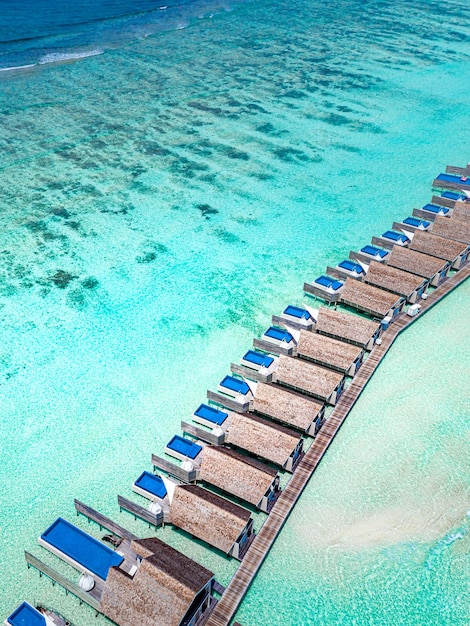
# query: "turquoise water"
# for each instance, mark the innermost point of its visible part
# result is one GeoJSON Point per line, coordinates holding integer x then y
{"type": "Point", "coordinates": [160, 200]}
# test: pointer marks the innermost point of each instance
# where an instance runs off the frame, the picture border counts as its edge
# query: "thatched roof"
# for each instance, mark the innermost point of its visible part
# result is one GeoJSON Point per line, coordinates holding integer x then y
{"type": "Point", "coordinates": [367, 297]}
{"type": "Point", "coordinates": [415, 262]}
{"type": "Point", "coordinates": [267, 440]}
{"type": "Point", "coordinates": [207, 516]}
{"type": "Point", "coordinates": [161, 591]}
{"type": "Point", "coordinates": [392, 279]}
{"type": "Point", "coordinates": [236, 474]}
{"type": "Point", "coordinates": [325, 350]}
{"type": "Point", "coordinates": [452, 228]}
{"type": "Point", "coordinates": [346, 326]}
{"type": "Point", "coordinates": [461, 210]}
{"type": "Point", "coordinates": [286, 406]}
{"type": "Point", "coordinates": [446, 249]}
{"type": "Point", "coordinates": [308, 377]}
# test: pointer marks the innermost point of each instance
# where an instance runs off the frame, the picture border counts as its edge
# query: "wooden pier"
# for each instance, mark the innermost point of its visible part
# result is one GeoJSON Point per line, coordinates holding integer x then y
{"type": "Point", "coordinates": [238, 586]}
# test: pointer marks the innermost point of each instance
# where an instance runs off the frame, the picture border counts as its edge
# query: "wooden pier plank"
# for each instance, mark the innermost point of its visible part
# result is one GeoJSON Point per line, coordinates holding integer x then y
{"type": "Point", "coordinates": [103, 521]}
{"type": "Point", "coordinates": [238, 586]}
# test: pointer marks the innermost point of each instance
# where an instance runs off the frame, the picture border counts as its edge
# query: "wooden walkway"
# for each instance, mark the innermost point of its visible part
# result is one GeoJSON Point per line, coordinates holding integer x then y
{"type": "Point", "coordinates": [238, 586]}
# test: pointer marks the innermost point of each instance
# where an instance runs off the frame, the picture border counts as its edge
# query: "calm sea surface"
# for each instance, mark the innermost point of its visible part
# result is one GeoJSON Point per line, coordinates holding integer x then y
{"type": "Point", "coordinates": [171, 174]}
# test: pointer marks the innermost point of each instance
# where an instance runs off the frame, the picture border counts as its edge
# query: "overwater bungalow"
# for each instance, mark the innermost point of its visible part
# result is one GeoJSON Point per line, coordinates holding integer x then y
{"type": "Point", "coordinates": [410, 286]}
{"type": "Point", "coordinates": [337, 355]}
{"type": "Point", "coordinates": [352, 329]}
{"type": "Point", "coordinates": [370, 253]}
{"type": "Point", "coordinates": [453, 251]}
{"type": "Point", "coordinates": [410, 224]}
{"type": "Point", "coordinates": [272, 442]}
{"type": "Point", "coordinates": [390, 238]}
{"type": "Point", "coordinates": [147, 582]}
{"type": "Point", "coordinates": [371, 300]}
{"type": "Point", "coordinates": [295, 317]}
{"type": "Point", "coordinates": [241, 476]}
{"type": "Point", "coordinates": [454, 228]}
{"type": "Point", "coordinates": [313, 380]}
{"type": "Point", "coordinates": [435, 270]}
{"type": "Point", "coordinates": [27, 615]}
{"type": "Point", "coordinates": [325, 288]}
{"type": "Point", "coordinates": [212, 519]}
{"type": "Point", "coordinates": [288, 407]}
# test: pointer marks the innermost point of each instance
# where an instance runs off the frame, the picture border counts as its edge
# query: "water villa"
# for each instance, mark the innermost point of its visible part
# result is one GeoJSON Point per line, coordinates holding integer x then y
{"type": "Point", "coordinates": [390, 238]}
{"type": "Point", "coordinates": [144, 582]}
{"type": "Point", "coordinates": [313, 380]}
{"type": "Point", "coordinates": [295, 317]}
{"type": "Point", "coordinates": [346, 327]}
{"type": "Point", "coordinates": [241, 476]}
{"type": "Point", "coordinates": [272, 442]}
{"type": "Point", "coordinates": [435, 270]}
{"type": "Point", "coordinates": [288, 407]}
{"type": "Point", "coordinates": [337, 355]}
{"type": "Point", "coordinates": [212, 519]}
{"type": "Point", "coordinates": [325, 288]}
{"type": "Point", "coordinates": [410, 286]}
{"type": "Point", "coordinates": [454, 228]}
{"type": "Point", "coordinates": [371, 300]}
{"type": "Point", "coordinates": [453, 251]}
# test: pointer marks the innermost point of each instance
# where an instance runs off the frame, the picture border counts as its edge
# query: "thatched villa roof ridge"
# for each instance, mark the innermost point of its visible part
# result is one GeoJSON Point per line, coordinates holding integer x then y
{"type": "Point", "coordinates": [161, 591]}
{"type": "Point", "coordinates": [392, 279]}
{"type": "Point", "coordinates": [207, 516]}
{"type": "Point", "coordinates": [415, 262]}
{"type": "Point", "coordinates": [443, 248]}
{"type": "Point", "coordinates": [461, 210]}
{"type": "Point", "coordinates": [331, 352]}
{"type": "Point", "coordinates": [310, 378]}
{"type": "Point", "coordinates": [285, 405]}
{"type": "Point", "coordinates": [346, 326]}
{"type": "Point", "coordinates": [452, 228]}
{"type": "Point", "coordinates": [368, 297]}
{"type": "Point", "coordinates": [261, 437]}
{"type": "Point", "coordinates": [234, 473]}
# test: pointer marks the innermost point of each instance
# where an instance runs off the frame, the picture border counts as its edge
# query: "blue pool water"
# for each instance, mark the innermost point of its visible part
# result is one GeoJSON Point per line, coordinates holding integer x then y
{"type": "Point", "coordinates": [170, 178]}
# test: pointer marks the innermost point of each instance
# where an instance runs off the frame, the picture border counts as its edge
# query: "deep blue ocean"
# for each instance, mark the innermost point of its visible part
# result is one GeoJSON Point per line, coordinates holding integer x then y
{"type": "Point", "coordinates": [171, 174]}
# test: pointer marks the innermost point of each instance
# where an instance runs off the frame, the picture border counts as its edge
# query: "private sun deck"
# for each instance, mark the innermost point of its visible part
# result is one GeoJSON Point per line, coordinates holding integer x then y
{"type": "Point", "coordinates": [27, 615]}
{"type": "Point", "coordinates": [370, 253]}
{"type": "Point", "coordinates": [295, 317]}
{"type": "Point", "coordinates": [430, 211]}
{"type": "Point", "coordinates": [332, 353]}
{"type": "Point", "coordinates": [435, 270]}
{"type": "Point", "coordinates": [288, 407]}
{"type": "Point", "coordinates": [410, 224]}
{"type": "Point", "coordinates": [448, 199]}
{"type": "Point", "coordinates": [371, 300]}
{"type": "Point", "coordinates": [277, 340]}
{"type": "Point", "coordinates": [454, 228]}
{"type": "Point", "coordinates": [309, 378]}
{"type": "Point", "coordinates": [396, 281]}
{"type": "Point", "coordinates": [210, 416]}
{"type": "Point", "coordinates": [325, 288]}
{"type": "Point", "coordinates": [256, 366]}
{"type": "Point", "coordinates": [183, 449]}
{"type": "Point", "coordinates": [453, 251]}
{"type": "Point", "coordinates": [233, 392]}
{"type": "Point", "coordinates": [347, 327]}
{"type": "Point", "coordinates": [80, 550]}
{"type": "Point", "coordinates": [347, 268]}
{"type": "Point", "coordinates": [390, 238]}
{"type": "Point", "coordinates": [452, 181]}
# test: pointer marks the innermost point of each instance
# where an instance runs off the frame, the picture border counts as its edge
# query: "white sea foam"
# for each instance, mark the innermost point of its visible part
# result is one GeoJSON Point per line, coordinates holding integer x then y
{"type": "Point", "coordinates": [62, 57]}
{"type": "Point", "coordinates": [16, 67]}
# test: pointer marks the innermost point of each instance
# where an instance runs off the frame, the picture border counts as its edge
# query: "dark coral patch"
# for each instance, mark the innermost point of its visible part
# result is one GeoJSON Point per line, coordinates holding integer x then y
{"type": "Point", "coordinates": [62, 279]}
{"type": "Point", "coordinates": [207, 210]}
